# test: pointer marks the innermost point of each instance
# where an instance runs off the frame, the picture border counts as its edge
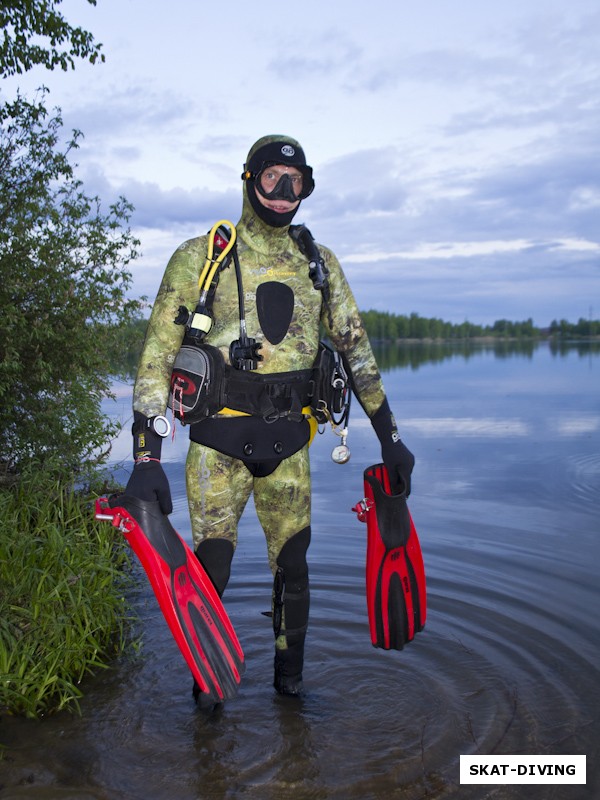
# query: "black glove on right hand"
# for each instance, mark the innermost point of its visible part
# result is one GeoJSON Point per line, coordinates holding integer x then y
{"type": "Point", "coordinates": [148, 480]}
{"type": "Point", "coordinates": [395, 454]}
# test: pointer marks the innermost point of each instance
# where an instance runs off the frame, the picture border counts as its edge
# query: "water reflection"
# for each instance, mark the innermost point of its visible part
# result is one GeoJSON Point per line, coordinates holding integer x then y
{"type": "Point", "coordinates": [414, 354]}
{"type": "Point", "coordinates": [563, 348]}
{"type": "Point", "coordinates": [506, 495]}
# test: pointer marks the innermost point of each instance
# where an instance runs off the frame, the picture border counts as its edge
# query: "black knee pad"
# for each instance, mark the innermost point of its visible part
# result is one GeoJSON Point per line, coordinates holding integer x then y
{"type": "Point", "coordinates": [292, 557]}
{"type": "Point", "coordinates": [215, 555]}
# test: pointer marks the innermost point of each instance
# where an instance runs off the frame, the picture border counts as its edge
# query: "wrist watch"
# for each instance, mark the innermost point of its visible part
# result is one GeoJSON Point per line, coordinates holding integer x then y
{"type": "Point", "coordinates": [159, 425]}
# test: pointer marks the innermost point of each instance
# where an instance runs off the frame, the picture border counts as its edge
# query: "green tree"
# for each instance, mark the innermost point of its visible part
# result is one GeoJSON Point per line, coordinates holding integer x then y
{"type": "Point", "coordinates": [35, 33]}
{"type": "Point", "coordinates": [502, 328]}
{"type": "Point", "coordinates": [403, 326]}
{"type": "Point", "coordinates": [63, 299]}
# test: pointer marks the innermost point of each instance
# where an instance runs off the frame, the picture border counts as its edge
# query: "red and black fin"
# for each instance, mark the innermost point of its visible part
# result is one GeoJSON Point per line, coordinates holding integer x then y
{"type": "Point", "coordinates": [185, 594]}
{"type": "Point", "coordinates": [395, 574]}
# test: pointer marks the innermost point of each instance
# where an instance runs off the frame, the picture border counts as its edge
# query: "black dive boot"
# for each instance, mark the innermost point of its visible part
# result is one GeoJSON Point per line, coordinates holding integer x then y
{"type": "Point", "coordinates": [288, 670]}
{"type": "Point", "coordinates": [291, 600]}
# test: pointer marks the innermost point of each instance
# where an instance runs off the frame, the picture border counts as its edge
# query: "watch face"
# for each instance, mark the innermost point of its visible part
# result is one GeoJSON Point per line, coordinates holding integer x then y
{"type": "Point", "coordinates": [161, 426]}
{"type": "Point", "coordinates": [340, 454]}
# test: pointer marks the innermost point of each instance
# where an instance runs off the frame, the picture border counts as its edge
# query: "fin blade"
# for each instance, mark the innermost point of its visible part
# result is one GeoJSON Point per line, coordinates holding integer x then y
{"type": "Point", "coordinates": [215, 654]}
{"type": "Point", "coordinates": [395, 573]}
{"type": "Point", "coordinates": [189, 602]}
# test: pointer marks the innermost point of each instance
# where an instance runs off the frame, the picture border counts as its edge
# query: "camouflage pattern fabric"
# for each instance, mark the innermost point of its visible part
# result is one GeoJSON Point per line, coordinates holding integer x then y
{"type": "Point", "coordinates": [218, 487]}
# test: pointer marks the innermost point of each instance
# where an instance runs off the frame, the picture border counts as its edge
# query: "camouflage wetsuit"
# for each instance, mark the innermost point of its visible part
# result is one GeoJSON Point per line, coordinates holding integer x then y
{"type": "Point", "coordinates": [274, 274]}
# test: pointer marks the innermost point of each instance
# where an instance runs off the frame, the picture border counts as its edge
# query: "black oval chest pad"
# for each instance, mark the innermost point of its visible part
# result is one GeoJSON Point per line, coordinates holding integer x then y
{"type": "Point", "coordinates": [275, 305]}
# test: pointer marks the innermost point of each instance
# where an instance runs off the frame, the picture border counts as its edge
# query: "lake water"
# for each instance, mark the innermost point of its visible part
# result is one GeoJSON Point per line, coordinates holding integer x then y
{"type": "Point", "coordinates": [505, 498]}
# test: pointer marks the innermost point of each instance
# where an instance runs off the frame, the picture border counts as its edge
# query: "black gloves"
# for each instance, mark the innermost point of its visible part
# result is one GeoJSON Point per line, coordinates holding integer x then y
{"type": "Point", "coordinates": [397, 458]}
{"type": "Point", "coordinates": [148, 480]}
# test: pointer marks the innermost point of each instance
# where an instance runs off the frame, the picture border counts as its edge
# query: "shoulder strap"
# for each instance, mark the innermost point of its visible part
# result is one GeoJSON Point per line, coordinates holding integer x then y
{"type": "Point", "coordinates": [221, 249]}
{"type": "Point", "coordinates": [221, 241]}
{"type": "Point", "coordinates": [317, 269]}
{"type": "Point", "coordinates": [318, 272]}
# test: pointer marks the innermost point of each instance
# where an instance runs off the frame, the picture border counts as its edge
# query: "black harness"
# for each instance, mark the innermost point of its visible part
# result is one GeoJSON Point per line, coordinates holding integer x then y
{"type": "Point", "coordinates": [202, 384]}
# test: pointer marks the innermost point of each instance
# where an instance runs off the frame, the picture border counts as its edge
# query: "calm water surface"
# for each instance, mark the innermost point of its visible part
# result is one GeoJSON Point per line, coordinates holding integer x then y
{"type": "Point", "coordinates": [505, 497]}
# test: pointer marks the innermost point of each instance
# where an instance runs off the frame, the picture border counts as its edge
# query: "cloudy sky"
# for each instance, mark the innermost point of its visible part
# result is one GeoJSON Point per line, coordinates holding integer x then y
{"type": "Point", "coordinates": [455, 143]}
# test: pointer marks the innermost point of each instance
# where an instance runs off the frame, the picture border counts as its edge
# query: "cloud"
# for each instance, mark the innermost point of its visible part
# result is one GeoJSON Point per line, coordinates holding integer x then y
{"type": "Point", "coordinates": [447, 250]}
{"type": "Point", "coordinates": [163, 209]}
{"type": "Point", "coordinates": [125, 109]}
{"type": "Point", "coordinates": [539, 284]}
{"type": "Point", "coordinates": [456, 153]}
{"type": "Point", "coordinates": [551, 195]}
{"type": "Point", "coordinates": [160, 208]}
{"type": "Point", "coordinates": [366, 182]}
{"type": "Point", "coordinates": [441, 67]}
{"type": "Point", "coordinates": [328, 53]}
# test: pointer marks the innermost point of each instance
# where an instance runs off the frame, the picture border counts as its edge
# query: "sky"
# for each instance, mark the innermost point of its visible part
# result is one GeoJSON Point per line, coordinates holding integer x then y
{"type": "Point", "coordinates": [455, 143]}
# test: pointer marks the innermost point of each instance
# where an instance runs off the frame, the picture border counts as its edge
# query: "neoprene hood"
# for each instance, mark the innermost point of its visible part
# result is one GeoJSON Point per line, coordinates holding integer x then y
{"type": "Point", "coordinates": [268, 151]}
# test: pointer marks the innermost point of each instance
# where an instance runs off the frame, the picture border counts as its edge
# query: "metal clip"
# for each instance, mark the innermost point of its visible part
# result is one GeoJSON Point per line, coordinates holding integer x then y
{"type": "Point", "coordinates": [362, 508]}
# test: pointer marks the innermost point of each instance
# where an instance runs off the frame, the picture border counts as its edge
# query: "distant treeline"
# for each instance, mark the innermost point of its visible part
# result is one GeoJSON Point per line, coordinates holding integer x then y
{"type": "Point", "coordinates": [383, 326]}
{"type": "Point", "coordinates": [583, 329]}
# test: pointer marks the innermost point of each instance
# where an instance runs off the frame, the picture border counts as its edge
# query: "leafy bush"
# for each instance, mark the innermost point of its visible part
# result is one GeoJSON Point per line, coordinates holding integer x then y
{"type": "Point", "coordinates": [63, 581]}
{"type": "Point", "coordinates": [64, 266]}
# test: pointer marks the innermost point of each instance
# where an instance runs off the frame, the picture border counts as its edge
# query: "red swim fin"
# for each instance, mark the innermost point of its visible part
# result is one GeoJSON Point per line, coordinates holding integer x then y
{"type": "Point", "coordinates": [396, 592]}
{"type": "Point", "coordinates": [185, 594]}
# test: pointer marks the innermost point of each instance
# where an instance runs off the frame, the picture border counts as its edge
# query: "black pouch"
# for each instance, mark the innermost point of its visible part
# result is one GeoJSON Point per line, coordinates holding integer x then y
{"type": "Point", "coordinates": [332, 386]}
{"type": "Point", "coordinates": [197, 383]}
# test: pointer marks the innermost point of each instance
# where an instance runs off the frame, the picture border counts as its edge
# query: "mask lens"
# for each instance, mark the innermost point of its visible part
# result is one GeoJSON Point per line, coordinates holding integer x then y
{"type": "Point", "coordinates": [281, 184]}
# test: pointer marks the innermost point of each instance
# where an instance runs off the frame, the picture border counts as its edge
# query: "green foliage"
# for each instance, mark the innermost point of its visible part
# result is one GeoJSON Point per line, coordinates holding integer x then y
{"type": "Point", "coordinates": [62, 582]}
{"type": "Point", "coordinates": [129, 343]}
{"type": "Point", "coordinates": [582, 329]}
{"type": "Point", "coordinates": [504, 328]}
{"type": "Point", "coordinates": [34, 33]}
{"type": "Point", "coordinates": [383, 326]}
{"type": "Point", "coordinates": [63, 296]}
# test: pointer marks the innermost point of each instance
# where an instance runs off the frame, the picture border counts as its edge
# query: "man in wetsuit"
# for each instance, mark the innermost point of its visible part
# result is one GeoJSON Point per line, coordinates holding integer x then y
{"type": "Point", "coordinates": [232, 455]}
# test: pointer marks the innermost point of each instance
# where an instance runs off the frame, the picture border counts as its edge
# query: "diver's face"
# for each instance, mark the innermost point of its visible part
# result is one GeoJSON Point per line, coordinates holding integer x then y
{"type": "Point", "coordinates": [270, 177]}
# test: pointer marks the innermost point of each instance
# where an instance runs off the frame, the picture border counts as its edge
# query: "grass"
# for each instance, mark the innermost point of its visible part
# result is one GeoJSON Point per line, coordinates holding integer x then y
{"type": "Point", "coordinates": [63, 583]}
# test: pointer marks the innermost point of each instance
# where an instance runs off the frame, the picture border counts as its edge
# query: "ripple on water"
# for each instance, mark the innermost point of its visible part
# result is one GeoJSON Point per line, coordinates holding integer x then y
{"type": "Point", "coordinates": [584, 478]}
{"type": "Point", "coordinates": [507, 664]}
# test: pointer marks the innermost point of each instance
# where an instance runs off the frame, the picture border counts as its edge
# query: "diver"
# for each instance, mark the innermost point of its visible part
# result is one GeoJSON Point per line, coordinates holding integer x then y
{"type": "Point", "coordinates": [240, 448]}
